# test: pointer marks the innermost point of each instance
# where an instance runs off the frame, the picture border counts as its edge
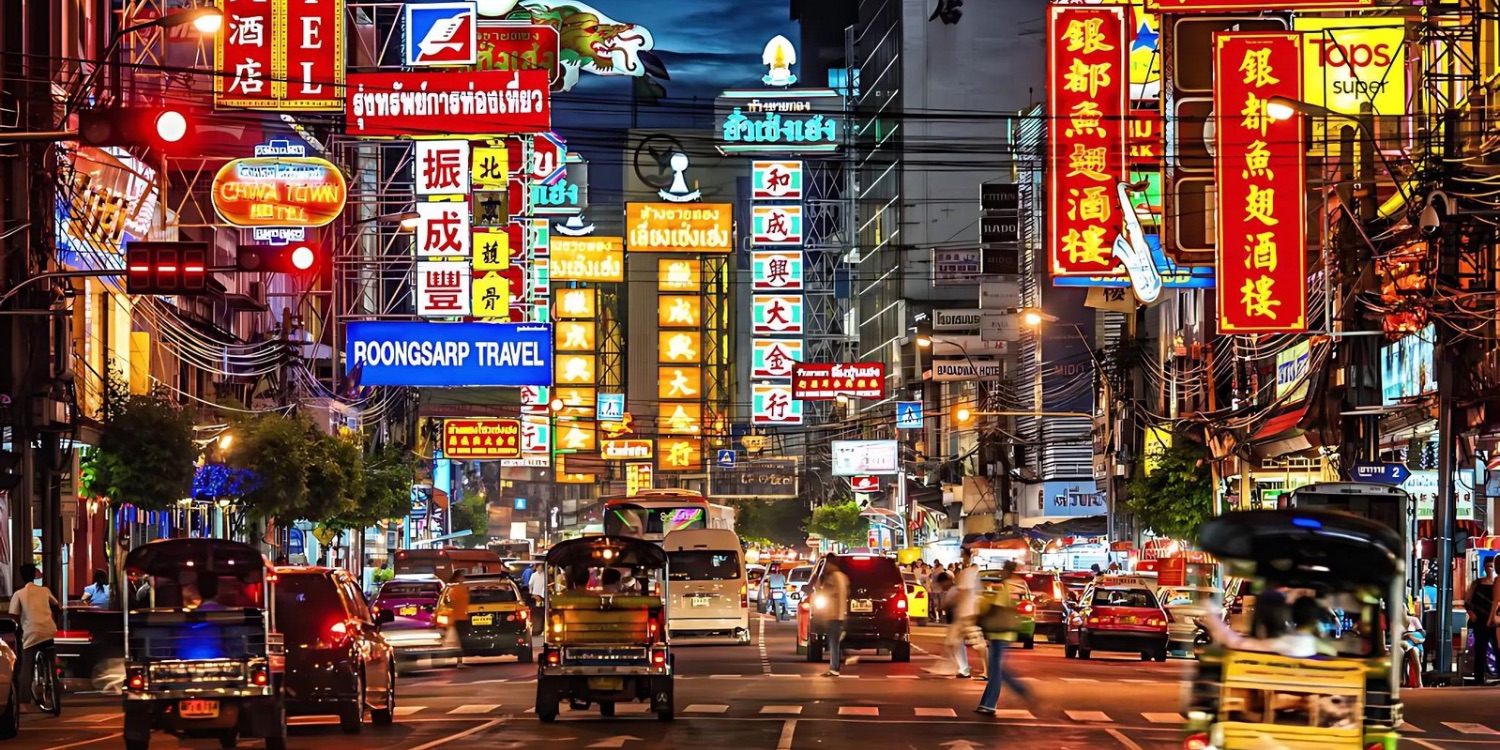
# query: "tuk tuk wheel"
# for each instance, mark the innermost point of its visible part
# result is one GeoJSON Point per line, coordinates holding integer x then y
{"type": "Point", "coordinates": [546, 713]}
{"type": "Point", "coordinates": [607, 709]}
{"type": "Point", "coordinates": [131, 744]}
{"type": "Point", "coordinates": [229, 739]}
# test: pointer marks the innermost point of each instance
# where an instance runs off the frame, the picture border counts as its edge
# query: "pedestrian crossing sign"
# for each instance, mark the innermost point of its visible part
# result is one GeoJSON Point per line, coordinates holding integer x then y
{"type": "Point", "coordinates": [908, 415]}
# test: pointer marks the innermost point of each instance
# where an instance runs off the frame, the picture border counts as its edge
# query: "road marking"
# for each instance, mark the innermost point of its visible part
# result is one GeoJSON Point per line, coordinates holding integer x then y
{"type": "Point", "coordinates": [1411, 728]}
{"type": "Point", "coordinates": [1163, 718]}
{"type": "Point", "coordinates": [491, 724]}
{"type": "Point", "coordinates": [1079, 679]}
{"type": "Point", "coordinates": [1143, 682]}
{"type": "Point", "coordinates": [119, 734]}
{"type": "Point", "coordinates": [1014, 714]}
{"type": "Point", "coordinates": [91, 718]}
{"type": "Point", "coordinates": [632, 708]}
{"type": "Point", "coordinates": [859, 711]}
{"type": "Point", "coordinates": [1466, 727]}
{"type": "Point", "coordinates": [781, 710]}
{"type": "Point", "coordinates": [793, 676]}
{"type": "Point", "coordinates": [1126, 741]}
{"type": "Point", "coordinates": [788, 729]}
{"type": "Point", "coordinates": [723, 677]}
{"type": "Point", "coordinates": [1087, 715]}
{"type": "Point", "coordinates": [937, 713]}
{"type": "Point", "coordinates": [706, 708]}
{"type": "Point", "coordinates": [904, 677]}
{"type": "Point", "coordinates": [408, 710]}
{"type": "Point", "coordinates": [765, 658]}
{"type": "Point", "coordinates": [474, 708]}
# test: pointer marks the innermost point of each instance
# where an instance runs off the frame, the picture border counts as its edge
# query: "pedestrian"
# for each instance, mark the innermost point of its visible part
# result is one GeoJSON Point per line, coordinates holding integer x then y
{"type": "Point", "coordinates": [526, 574]}
{"type": "Point", "coordinates": [33, 604]}
{"type": "Point", "coordinates": [834, 586]}
{"type": "Point", "coordinates": [999, 620]}
{"type": "Point", "coordinates": [96, 594]}
{"type": "Point", "coordinates": [1479, 605]}
{"type": "Point", "coordinates": [962, 612]}
{"type": "Point", "coordinates": [943, 583]}
{"type": "Point", "coordinates": [458, 609]}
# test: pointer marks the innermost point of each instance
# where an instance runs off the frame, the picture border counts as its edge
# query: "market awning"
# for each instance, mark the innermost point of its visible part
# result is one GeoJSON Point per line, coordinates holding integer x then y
{"type": "Point", "coordinates": [1282, 434]}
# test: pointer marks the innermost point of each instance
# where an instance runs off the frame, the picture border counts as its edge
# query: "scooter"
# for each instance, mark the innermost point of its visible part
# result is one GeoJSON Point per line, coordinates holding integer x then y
{"type": "Point", "coordinates": [1413, 654]}
{"type": "Point", "coordinates": [778, 604]}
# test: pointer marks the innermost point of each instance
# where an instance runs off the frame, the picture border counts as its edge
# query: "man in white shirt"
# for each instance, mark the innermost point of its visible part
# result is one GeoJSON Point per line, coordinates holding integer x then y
{"type": "Point", "coordinates": [33, 604]}
{"type": "Point", "coordinates": [965, 612]}
{"type": "Point", "coordinates": [537, 586]}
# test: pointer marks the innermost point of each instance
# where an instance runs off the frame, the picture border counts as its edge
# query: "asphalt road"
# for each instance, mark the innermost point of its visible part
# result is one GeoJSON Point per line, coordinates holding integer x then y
{"type": "Point", "coordinates": [766, 697]}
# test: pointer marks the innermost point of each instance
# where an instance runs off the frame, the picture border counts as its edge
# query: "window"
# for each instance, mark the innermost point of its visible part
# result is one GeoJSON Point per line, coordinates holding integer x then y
{"type": "Point", "coordinates": [393, 590]}
{"type": "Point", "coordinates": [492, 593]}
{"type": "Point", "coordinates": [875, 572]}
{"type": "Point", "coordinates": [703, 565]}
{"type": "Point", "coordinates": [1124, 598]}
{"type": "Point", "coordinates": [306, 605]}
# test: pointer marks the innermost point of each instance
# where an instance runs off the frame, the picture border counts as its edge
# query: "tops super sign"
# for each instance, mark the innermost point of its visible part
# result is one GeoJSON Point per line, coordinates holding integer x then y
{"type": "Point", "coordinates": [442, 33]}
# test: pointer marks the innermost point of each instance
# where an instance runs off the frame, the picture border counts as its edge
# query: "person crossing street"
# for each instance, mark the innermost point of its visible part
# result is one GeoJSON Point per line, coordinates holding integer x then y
{"type": "Point", "coordinates": [835, 586]}
{"type": "Point", "coordinates": [999, 620]}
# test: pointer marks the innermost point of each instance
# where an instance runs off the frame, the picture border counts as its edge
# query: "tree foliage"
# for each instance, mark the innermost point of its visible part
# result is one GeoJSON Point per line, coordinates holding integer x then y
{"type": "Point", "coordinates": [472, 513]}
{"type": "Point", "coordinates": [1177, 496]}
{"type": "Point", "coordinates": [300, 472]}
{"type": "Point", "coordinates": [840, 522]}
{"type": "Point", "coordinates": [146, 455]}
{"type": "Point", "coordinates": [780, 523]}
{"type": "Point", "coordinates": [388, 474]}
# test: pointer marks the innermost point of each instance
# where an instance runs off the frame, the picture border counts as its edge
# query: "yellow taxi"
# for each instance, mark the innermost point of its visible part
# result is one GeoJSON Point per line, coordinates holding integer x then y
{"type": "Point", "coordinates": [499, 620]}
{"type": "Point", "coordinates": [917, 599]}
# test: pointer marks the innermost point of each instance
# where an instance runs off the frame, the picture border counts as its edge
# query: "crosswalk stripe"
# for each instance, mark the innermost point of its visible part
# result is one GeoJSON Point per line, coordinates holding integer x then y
{"type": "Point", "coordinates": [781, 710]}
{"type": "Point", "coordinates": [1142, 682]}
{"type": "Point", "coordinates": [1087, 715]}
{"type": "Point", "coordinates": [859, 711]}
{"type": "Point", "coordinates": [1467, 727]}
{"type": "Point", "coordinates": [632, 708]}
{"type": "Point", "coordinates": [1014, 714]}
{"type": "Point", "coordinates": [706, 708]}
{"type": "Point", "coordinates": [946, 713]}
{"type": "Point", "coordinates": [1079, 679]}
{"type": "Point", "coordinates": [1163, 718]}
{"type": "Point", "coordinates": [408, 710]}
{"type": "Point", "coordinates": [904, 677]}
{"type": "Point", "coordinates": [474, 708]}
{"type": "Point", "coordinates": [91, 718]}
{"type": "Point", "coordinates": [1411, 728]}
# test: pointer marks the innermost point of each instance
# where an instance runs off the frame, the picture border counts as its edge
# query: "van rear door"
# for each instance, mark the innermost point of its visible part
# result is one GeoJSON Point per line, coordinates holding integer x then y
{"type": "Point", "coordinates": [705, 584]}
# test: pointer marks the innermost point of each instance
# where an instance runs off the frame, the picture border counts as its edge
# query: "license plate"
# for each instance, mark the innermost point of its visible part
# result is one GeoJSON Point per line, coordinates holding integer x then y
{"type": "Point", "coordinates": [861, 605]}
{"type": "Point", "coordinates": [701, 601]}
{"type": "Point", "coordinates": [198, 709]}
{"type": "Point", "coordinates": [409, 610]}
{"type": "Point", "coordinates": [606, 683]}
{"type": "Point", "coordinates": [1128, 620]}
{"type": "Point", "coordinates": [482, 620]}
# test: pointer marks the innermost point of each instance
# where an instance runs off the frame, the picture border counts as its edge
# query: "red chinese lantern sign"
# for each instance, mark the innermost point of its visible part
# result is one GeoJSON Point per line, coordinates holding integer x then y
{"type": "Point", "coordinates": [827, 381]}
{"type": "Point", "coordinates": [474, 439]}
{"type": "Point", "coordinates": [1088, 80]}
{"type": "Point", "coordinates": [1259, 169]}
{"type": "Point", "coordinates": [281, 54]}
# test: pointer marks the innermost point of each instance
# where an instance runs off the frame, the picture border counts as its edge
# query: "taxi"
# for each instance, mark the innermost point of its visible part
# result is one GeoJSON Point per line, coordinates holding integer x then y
{"type": "Point", "coordinates": [412, 598]}
{"type": "Point", "coordinates": [499, 617]}
{"type": "Point", "coordinates": [917, 600]}
{"type": "Point", "coordinates": [1117, 613]}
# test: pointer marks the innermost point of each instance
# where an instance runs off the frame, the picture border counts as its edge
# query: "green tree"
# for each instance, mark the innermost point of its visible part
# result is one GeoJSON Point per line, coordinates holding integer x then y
{"type": "Point", "coordinates": [1177, 496]}
{"type": "Point", "coordinates": [840, 522]}
{"type": "Point", "coordinates": [299, 471]}
{"type": "Point", "coordinates": [146, 455]}
{"type": "Point", "coordinates": [780, 523]}
{"type": "Point", "coordinates": [388, 478]}
{"type": "Point", "coordinates": [472, 513]}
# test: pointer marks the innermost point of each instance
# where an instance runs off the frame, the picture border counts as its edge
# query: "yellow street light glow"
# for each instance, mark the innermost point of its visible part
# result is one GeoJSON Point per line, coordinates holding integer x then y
{"type": "Point", "coordinates": [225, 441]}
{"type": "Point", "coordinates": [924, 341]}
{"type": "Point", "coordinates": [1031, 318]}
{"type": "Point", "coordinates": [209, 20]}
{"type": "Point", "coordinates": [962, 414]}
{"type": "Point", "coordinates": [1280, 110]}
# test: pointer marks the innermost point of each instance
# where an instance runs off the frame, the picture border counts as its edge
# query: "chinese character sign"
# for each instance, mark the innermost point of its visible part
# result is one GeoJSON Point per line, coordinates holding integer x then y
{"type": "Point", "coordinates": [443, 230]}
{"type": "Point", "coordinates": [1088, 81]}
{"type": "Point", "coordinates": [774, 358]}
{"type": "Point", "coordinates": [775, 270]}
{"type": "Point", "coordinates": [776, 225]}
{"type": "Point", "coordinates": [280, 54]}
{"type": "Point", "coordinates": [1259, 169]}
{"type": "Point", "coordinates": [776, 180]}
{"type": "Point", "coordinates": [442, 168]}
{"type": "Point", "coordinates": [776, 314]}
{"type": "Point", "coordinates": [442, 289]}
{"type": "Point", "coordinates": [773, 404]}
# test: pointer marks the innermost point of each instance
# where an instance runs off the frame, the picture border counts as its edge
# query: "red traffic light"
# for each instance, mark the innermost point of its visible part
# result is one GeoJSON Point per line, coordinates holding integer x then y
{"type": "Point", "coordinates": [171, 268]}
{"type": "Point", "coordinates": [298, 257]}
{"type": "Point", "coordinates": [164, 128]}
{"type": "Point", "coordinates": [171, 125]}
{"type": "Point", "coordinates": [303, 257]}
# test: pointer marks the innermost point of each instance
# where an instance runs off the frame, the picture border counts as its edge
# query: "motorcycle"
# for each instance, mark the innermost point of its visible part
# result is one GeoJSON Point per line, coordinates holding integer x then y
{"type": "Point", "coordinates": [778, 604]}
{"type": "Point", "coordinates": [1413, 653]}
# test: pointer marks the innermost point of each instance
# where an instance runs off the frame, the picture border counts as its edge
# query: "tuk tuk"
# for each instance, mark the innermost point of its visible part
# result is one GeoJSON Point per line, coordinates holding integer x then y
{"type": "Point", "coordinates": [1331, 681]}
{"type": "Point", "coordinates": [203, 656]}
{"type": "Point", "coordinates": [605, 636]}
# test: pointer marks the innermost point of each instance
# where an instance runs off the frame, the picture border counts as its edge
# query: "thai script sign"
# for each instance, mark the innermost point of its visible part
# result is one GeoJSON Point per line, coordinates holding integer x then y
{"type": "Point", "coordinates": [471, 439]}
{"type": "Point", "coordinates": [391, 104]}
{"type": "Point", "coordinates": [680, 228]}
{"type": "Point", "coordinates": [827, 381]}
{"type": "Point", "coordinates": [507, 46]}
{"type": "Point", "coordinates": [771, 122]}
{"type": "Point", "coordinates": [593, 259]}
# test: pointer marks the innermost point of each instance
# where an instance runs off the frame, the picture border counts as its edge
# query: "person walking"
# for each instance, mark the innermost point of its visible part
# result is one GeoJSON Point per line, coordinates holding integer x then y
{"type": "Point", "coordinates": [999, 620]}
{"type": "Point", "coordinates": [1479, 604]}
{"type": "Point", "coordinates": [458, 607]}
{"type": "Point", "coordinates": [962, 612]}
{"type": "Point", "coordinates": [835, 586]}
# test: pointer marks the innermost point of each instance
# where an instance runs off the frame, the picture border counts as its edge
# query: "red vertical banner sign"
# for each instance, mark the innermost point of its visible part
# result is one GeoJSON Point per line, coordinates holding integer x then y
{"type": "Point", "coordinates": [1261, 176]}
{"type": "Point", "coordinates": [1088, 82]}
{"type": "Point", "coordinates": [280, 54]}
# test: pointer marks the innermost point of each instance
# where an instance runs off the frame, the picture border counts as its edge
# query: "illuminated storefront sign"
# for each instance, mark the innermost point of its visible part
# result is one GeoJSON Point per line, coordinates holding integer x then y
{"type": "Point", "coordinates": [680, 228]}
{"type": "Point", "coordinates": [678, 311]}
{"type": "Point", "coordinates": [576, 369]}
{"type": "Point", "coordinates": [279, 192]}
{"type": "Point", "coordinates": [679, 275]}
{"type": "Point", "coordinates": [576, 336]}
{"type": "Point", "coordinates": [776, 180]}
{"type": "Point", "coordinates": [442, 168]}
{"type": "Point", "coordinates": [1350, 61]}
{"type": "Point", "coordinates": [469, 439]}
{"type": "Point", "coordinates": [1251, 6]}
{"type": "Point", "coordinates": [508, 45]}
{"type": "Point", "coordinates": [577, 436]}
{"type": "Point", "coordinates": [1261, 237]}
{"type": "Point", "coordinates": [826, 381]}
{"type": "Point", "coordinates": [776, 314]}
{"type": "Point", "coordinates": [851, 458]}
{"type": "Point", "coordinates": [679, 382]}
{"type": "Point", "coordinates": [1293, 366]}
{"type": "Point", "coordinates": [491, 296]}
{"type": "Point", "coordinates": [1172, 275]}
{"type": "Point", "coordinates": [681, 454]}
{"type": "Point", "coordinates": [774, 358]}
{"type": "Point", "coordinates": [443, 289]}
{"type": "Point", "coordinates": [591, 259]}
{"type": "Point", "coordinates": [776, 225]}
{"type": "Point", "coordinates": [490, 168]}
{"type": "Point", "coordinates": [398, 104]}
{"type": "Point", "coordinates": [679, 347]}
{"type": "Point", "coordinates": [776, 270]}
{"type": "Point", "coordinates": [779, 122]}
{"type": "Point", "coordinates": [1087, 76]}
{"type": "Point", "coordinates": [575, 304]}
{"type": "Point", "coordinates": [568, 194]}
{"type": "Point", "coordinates": [411, 353]}
{"type": "Point", "coordinates": [280, 54]}
{"type": "Point", "coordinates": [492, 249]}
{"type": "Point", "coordinates": [772, 403]}
{"type": "Point", "coordinates": [626, 450]}
{"type": "Point", "coordinates": [443, 229]}
{"type": "Point", "coordinates": [685, 418]}
{"type": "Point", "coordinates": [440, 33]}
{"type": "Point", "coordinates": [638, 477]}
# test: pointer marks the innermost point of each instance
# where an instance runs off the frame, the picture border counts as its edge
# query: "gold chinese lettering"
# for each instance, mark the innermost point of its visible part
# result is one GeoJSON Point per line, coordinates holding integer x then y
{"type": "Point", "coordinates": [1089, 162]}
{"type": "Point", "coordinates": [1255, 114]}
{"type": "Point", "coordinates": [1258, 161]}
{"type": "Point", "coordinates": [1092, 205]}
{"type": "Point", "coordinates": [1260, 204]}
{"type": "Point", "coordinates": [1256, 67]}
{"type": "Point", "coordinates": [1085, 119]}
{"type": "Point", "coordinates": [1087, 78]}
{"type": "Point", "coordinates": [1086, 36]}
{"type": "Point", "coordinates": [1256, 296]}
{"type": "Point", "coordinates": [1260, 251]}
{"type": "Point", "coordinates": [1086, 247]}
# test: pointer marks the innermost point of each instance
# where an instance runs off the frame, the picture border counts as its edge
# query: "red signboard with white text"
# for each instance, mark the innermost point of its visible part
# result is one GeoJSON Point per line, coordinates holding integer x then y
{"type": "Point", "coordinates": [434, 103]}
{"type": "Point", "coordinates": [1088, 80]}
{"type": "Point", "coordinates": [820, 381]}
{"type": "Point", "coordinates": [280, 54]}
{"type": "Point", "coordinates": [1260, 173]}
{"type": "Point", "coordinates": [1251, 6]}
{"type": "Point", "coordinates": [864, 483]}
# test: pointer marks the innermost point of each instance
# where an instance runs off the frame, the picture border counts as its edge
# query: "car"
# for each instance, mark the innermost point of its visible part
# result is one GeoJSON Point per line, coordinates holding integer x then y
{"type": "Point", "coordinates": [337, 658]}
{"type": "Point", "coordinates": [419, 639]}
{"type": "Point", "coordinates": [1020, 593]}
{"type": "Point", "coordinates": [796, 580]}
{"type": "Point", "coordinates": [755, 576]}
{"type": "Point", "coordinates": [1184, 605]}
{"type": "Point", "coordinates": [1117, 613]}
{"type": "Point", "coordinates": [917, 606]}
{"type": "Point", "coordinates": [877, 608]}
{"type": "Point", "coordinates": [409, 598]}
{"type": "Point", "coordinates": [1050, 599]}
{"type": "Point", "coordinates": [499, 617]}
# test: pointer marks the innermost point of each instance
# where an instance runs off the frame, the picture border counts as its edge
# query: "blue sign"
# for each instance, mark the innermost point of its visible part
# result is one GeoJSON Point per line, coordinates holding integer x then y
{"type": "Point", "coordinates": [520, 503]}
{"type": "Point", "coordinates": [442, 33]}
{"type": "Point", "coordinates": [1382, 473]}
{"type": "Point", "coordinates": [1172, 276]}
{"type": "Point", "coordinates": [296, 542]}
{"type": "Point", "coordinates": [726, 459]}
{"type": "Point", "coordinates": [1072, 499]}
{"type": "Point", "coordinates": [611, 407]}
{"type": "Point", "coordinates": [908, 415]}
{"type": "Point", "coordinates": [448, 355]}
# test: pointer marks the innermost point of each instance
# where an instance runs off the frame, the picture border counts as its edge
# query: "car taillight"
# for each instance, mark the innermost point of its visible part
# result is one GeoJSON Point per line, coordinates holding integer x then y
{"type": "Point", "coordinates": [920, 594]}
{"type": "Point", "coordinates": [260, 675]}
{"type": "Point", "coordinates": [744, 596]}
{"type": "Point", "coordinates": [658, 658]}
{"type": "Point", "coordinates": [553, 657]}
{"type": "Point", "coordinates": [524, 614]}
{"type": "Point", "coordinates": [1026, 608]}
{"type": "Point", "coordinates": [74, 636]}
{"type": "Point", "coordinates": [557, 625]}
{"type": "Point", "coordinates": [135, 678]}
{"type": "Point", "coordinates": [651, 628]}
{"type": "Point", "coordinates": [1199, 741]}
{"type": "Point", "coordinates": [901, 604]}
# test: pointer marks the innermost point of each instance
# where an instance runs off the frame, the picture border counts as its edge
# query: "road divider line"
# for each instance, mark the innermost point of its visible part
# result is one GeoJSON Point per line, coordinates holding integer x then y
{"type": "Point", "coordinates": [408, 710]}
{"type": "Point", "coordinates": [936, 713]}
{"type": "Point", "coordinates": [439, 742]}
{"type": "Point", "coordinates": [706, 708]}
{"type": "Point", "coordinates": [1466, 727]}
{"type": "Point", "coordinates": [781, 710]}
{"type": "Point", "coordinates": [1164, 718]}
{"type": "Point", "coordinates": [97, 739]}
{"type": "Point", "coordinates": [859, 711]}
{"type": "Point", "coordinates": [1015, 714]}
{"type": "Point", "coordinates": [765, 658]}
{"type": "Point", "coordinates": [788, 730]}
{"type": "Point", "coordinates": [474, 708]}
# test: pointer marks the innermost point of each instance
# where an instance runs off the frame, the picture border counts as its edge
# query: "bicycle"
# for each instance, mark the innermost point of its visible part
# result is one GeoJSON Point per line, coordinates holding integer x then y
{"type": "Point", "coordinates": [41, 660]}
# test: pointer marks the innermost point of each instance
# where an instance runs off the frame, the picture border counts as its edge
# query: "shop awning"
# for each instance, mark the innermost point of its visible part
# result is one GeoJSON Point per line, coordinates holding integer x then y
{"type": "Point", "coordinates": [1282, 434]}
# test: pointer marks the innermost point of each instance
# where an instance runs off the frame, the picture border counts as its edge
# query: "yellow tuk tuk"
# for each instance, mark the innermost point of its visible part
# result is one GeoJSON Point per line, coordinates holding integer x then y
{"type": "Point", "coordinates": [1318, 664]}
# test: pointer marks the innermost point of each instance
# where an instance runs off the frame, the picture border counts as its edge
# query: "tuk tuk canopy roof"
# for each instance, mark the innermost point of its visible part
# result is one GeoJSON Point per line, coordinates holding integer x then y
{"type": "Point", "coordinates": [1309, 547]}
{"type": "Point", "coordinates": [170, 557]}
{"type": "Point", "coordinates": [608, 552]}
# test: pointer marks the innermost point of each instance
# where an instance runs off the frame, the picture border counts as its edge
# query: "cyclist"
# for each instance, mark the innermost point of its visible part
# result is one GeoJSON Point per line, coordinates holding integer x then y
{"type": "Point", "coordinates": [33, 604]}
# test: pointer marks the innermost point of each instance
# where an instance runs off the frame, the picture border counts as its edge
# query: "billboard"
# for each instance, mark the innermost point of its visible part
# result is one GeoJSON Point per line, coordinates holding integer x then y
{"type": "Point", "coordinates": [790, 121]}
{"type": "Point", "coordinates": [955, 267]}
{"type": "Point", "coordinates": [1087, 75]}
{"type": "Point", "coordinates": [281, 54]}
{"type": "Point", "coordinates": [1260, 171]}
{"type": "Point", "coordinates": [1172, 275]}
{"type": "Point", "coordinates": [679, 227]}
{"type": "Point", "coordinates": [518, 45]}
{"type": "Point", "coordinates": [765, 478]}
{"type": "Point", "coordinates": [851, 458]}
{"type": "Point", "coordinates": [1350, 61]}
{"type": "Point", "coordinates": [400, 103]}
{"type": "Point", "coordinates": [626, 449]}
{"type": "Point", "coordinates": [474, 439]}
{"type": "Point", "coordinates": [826, 381]}
{"type": "Point", "coordinates": [448, 355]}
{"type": "Point", "coordinates": [1252, 6]}
{"type": "Point", "coordinates": [1406, 367]}
{"type": "Point", "coordinates": [1293, 366]}
{"type": "Point", "coordinates": [439, 34]}
{"type": "Point", "coordinates": [590, 259]}
{"type": "Point", "coordinates": [279, 192]}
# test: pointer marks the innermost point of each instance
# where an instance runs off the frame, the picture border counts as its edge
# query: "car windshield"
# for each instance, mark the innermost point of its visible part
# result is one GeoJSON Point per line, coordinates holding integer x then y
{"type": "Point", "coordinates": [1174, 596]}
{"type": "Point", "coordinates": [871, 571]}
{"type": "Point", "coordinates": [492, 593]}
{"type": "Point", "coordinates": [799, 575]}
{"type": "Point", "coordinates": [703, 565]}
{"type": "Point", "coordinates": [1124, 598]}
{"type": "Point", "coordinates": [406, 590]}
{"type": "Point", "coordinates": [1041, 584]}
{"type": "Point", "coordinates": [307, 604]}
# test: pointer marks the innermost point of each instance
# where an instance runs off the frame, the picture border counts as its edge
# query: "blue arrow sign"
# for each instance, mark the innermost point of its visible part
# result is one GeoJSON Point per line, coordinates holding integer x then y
{"type": "Point", "coordinates": [908, 415]}
{"type": "Point", "coordinates": [1381, 473]}
{"type": "Point", "coordinates": [726, 459]}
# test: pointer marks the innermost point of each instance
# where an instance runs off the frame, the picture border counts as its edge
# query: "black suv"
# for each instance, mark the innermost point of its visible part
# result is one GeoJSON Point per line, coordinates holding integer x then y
{"type": "Point", "coordinates": [337, 662]}
{"type": "Point", "coordinates": [877, 607]}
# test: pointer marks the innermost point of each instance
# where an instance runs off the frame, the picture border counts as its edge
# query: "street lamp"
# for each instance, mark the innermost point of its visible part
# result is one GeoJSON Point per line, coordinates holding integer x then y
{"type": "Point", "coordinates": [407, 219]}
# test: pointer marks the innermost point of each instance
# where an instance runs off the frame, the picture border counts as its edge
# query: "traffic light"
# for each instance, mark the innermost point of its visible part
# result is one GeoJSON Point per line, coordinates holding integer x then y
{"type": "Point", "coordinates": [166, 267]}
{"type": "Point", "coordinates": [297, 257]}
{"type": "Point", "coordinates": [163, 128]}
{"type": "Point", "coordinates": [963, 415]}
{"type": "Point", "coordinates": [9, 462]}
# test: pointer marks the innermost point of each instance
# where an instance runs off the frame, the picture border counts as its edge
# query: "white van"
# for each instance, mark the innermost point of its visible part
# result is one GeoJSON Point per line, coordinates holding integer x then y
{"type": "Point", "coordinates": [708, 593]}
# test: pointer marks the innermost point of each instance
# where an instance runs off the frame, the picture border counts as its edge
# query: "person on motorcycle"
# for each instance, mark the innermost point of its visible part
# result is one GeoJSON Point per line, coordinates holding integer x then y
{"type": "Point", "coordinates": [776, 592]}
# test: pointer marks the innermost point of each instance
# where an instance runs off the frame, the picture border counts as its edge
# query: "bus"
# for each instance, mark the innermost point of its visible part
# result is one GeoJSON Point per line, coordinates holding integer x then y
{"type": "Point", "coordinates": [652, 514]}
{"type": "Point", "coordinates": [1382, 503]}
{"type": "Point", "coordinates": [442, 562]}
